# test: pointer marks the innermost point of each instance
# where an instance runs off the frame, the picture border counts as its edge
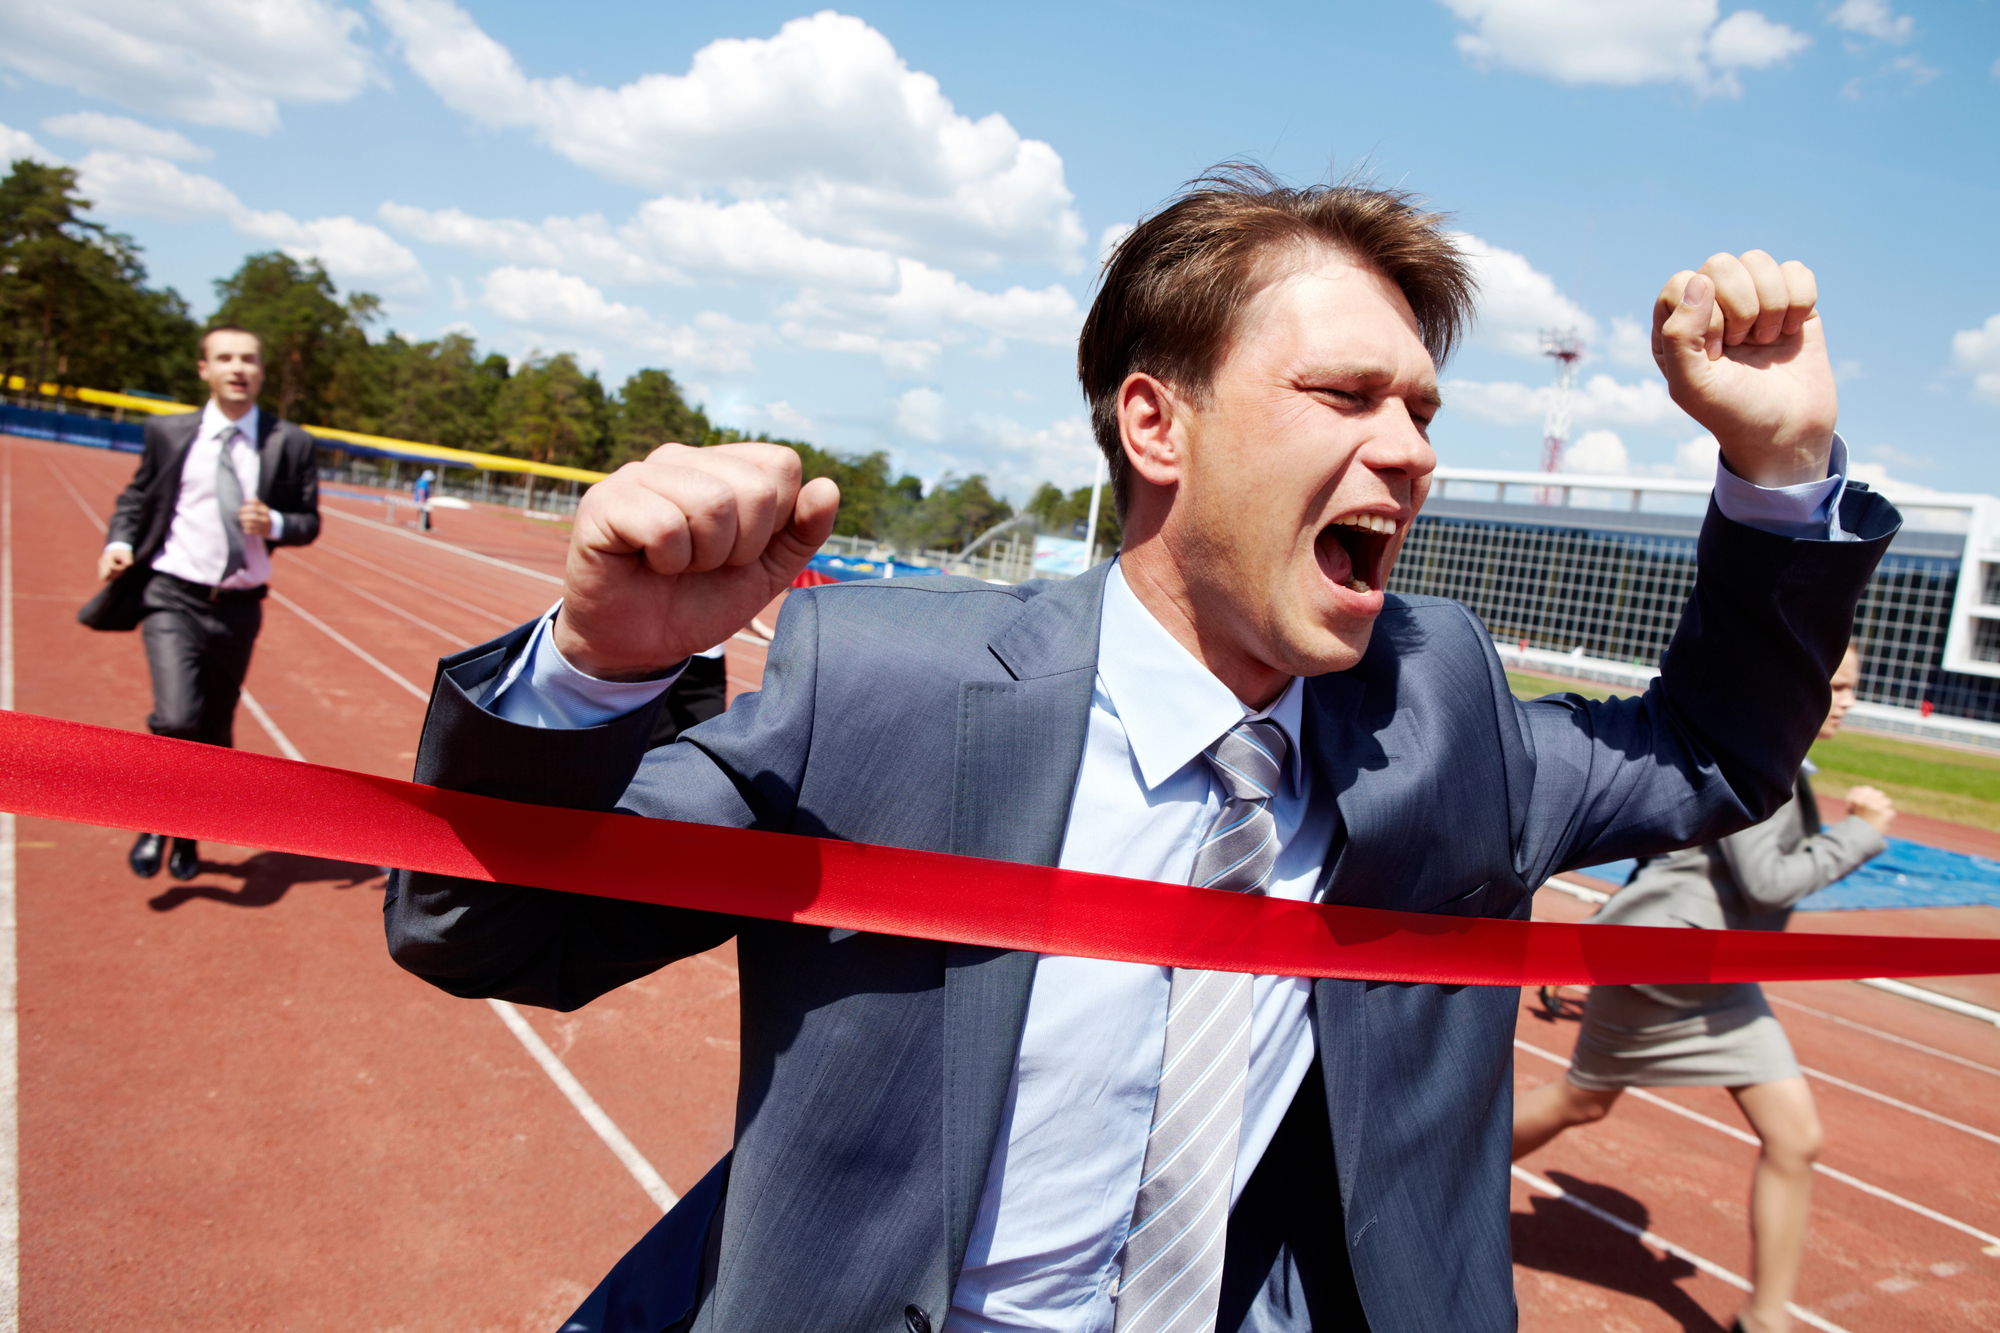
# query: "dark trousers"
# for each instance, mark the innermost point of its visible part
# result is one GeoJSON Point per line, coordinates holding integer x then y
{"type": "Point", "coordinates": [696, 697]}
{"type": "Point", "coordinates": [198, 651]}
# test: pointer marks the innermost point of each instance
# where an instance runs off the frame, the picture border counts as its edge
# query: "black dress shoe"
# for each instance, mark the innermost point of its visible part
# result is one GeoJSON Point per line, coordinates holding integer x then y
{"type": "Point", "coordinates": [184, 862]}
{"type": "Point", "coordinates": [146, 853]}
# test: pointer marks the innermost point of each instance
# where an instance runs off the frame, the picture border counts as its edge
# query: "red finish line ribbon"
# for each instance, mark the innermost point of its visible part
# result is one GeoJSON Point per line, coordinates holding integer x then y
{"type": "Point", "coordinates": [121, 779]}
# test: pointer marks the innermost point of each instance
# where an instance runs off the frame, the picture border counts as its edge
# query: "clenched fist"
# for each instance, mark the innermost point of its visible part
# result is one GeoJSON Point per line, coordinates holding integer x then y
{"type": "Point", "coordinates": [675, 554]}
{"type": "Point", "coordinates": [1744, 353]}
{"type": "Point", "coordinates": [1872, 806]}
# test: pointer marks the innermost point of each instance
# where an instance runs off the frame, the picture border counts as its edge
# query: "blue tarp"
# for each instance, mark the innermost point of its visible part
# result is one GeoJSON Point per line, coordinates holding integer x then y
{"type": "Point", "coordinates": [846, 568]}
{"type": "Point", "coordinates": [1909, 874]}
{"type": "Point", "coordinates": [68, 428]}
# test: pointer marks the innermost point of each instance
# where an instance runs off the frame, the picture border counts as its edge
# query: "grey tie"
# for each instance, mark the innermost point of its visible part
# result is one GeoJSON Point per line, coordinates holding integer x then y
{"type": "Point", "coordinates": [1171, 1269]}
{"type": "Point", "coordinates": [229, 499]}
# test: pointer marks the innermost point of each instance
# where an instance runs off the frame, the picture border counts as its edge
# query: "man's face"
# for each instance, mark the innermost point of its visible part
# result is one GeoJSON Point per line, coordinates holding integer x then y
{"type": "Point", "coordinates": [1844, 681]}
{"type": "Point", "coordinates": [1303, 472]}
{"type": "Point", "coordinates": [233, 368]}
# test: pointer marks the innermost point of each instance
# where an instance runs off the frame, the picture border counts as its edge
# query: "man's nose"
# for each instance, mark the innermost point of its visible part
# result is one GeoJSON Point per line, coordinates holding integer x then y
{"type": "Point", "coordinates": [1398, 443]}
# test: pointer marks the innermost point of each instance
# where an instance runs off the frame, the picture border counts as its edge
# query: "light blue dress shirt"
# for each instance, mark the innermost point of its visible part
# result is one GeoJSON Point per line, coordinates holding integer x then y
{"type": "Point", "coordinates": [1064, 1175]}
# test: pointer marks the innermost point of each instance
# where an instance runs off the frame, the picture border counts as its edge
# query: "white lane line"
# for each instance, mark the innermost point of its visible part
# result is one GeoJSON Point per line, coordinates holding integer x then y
{"type": "Point", "coordinates": [587, 1107]}
{"type": "Point", "coordinates": [1577, 891]}
{"type": "Point", "coordinates": [1925, 995]}
{"type": "Point", "coordinates": [347, 643]}
{"type": "Point", "coordinates": [75, 495]}
{"type": "Point", "coordinates": [1887, 1100]}
{"type": "Point", "coordinates": [390, 607]}
{"type": "Point", "coordinates": [10, 1031]}
{"type": "Point", "coordinates": [1885, 1036]}
{"type": "Point", "coordinates": [1992, 1242]}
{"type": "Point", "coordinates": [278, 738]}
{"type": "Point", "coordinates": [436, 544]}
{"type": "Point", "coordinates": [614, 1138]}
{"type": "Point", "coordinates": [329, 548]}
{"type": "Point", "coordinates": [1645, 1237]}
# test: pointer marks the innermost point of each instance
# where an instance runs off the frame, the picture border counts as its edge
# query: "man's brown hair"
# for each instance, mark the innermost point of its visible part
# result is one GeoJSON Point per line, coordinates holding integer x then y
{"type": "Point", "coordinates": [201, 343]}
{"type": "Point", "coordinates": [1171, 293]}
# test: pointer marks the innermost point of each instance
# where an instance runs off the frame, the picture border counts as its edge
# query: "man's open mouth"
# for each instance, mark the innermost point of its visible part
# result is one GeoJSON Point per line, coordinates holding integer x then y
{"type": "Point", "coordinates": [1353, 550]}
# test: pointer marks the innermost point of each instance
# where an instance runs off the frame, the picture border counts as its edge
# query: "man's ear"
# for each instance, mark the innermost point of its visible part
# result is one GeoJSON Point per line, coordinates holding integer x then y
{"type": "Point", "coordinates": [1151, 426]}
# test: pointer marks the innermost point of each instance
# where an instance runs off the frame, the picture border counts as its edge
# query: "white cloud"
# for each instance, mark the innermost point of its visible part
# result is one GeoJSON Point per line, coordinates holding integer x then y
{"type": "Point", "coordinates": [920, 414]}
{"type": "Point", "coordinates": [543, 300]}
{"type": "Point", "coordinates": [17, 144]}
{"type": "Point", "coordinates": [1873, 18]}
{"type": "Point", "coordinates": [1108, 239]}
{"type": "Point", "coordinates": [1626, 44]}
{"type": "Point", "coordinates": [1977, 352]}
{"type": "Point", "coordinates": [356, 255]}
{"type": "Point", "coordinates": [1598, 451]}
{"type": "Point", "coordinates": [1696, 458]}
{"type": "Point", "coordinates": [823, 123]}
{"type": "Point", "coordinates": [1631, 343]}
{"type": "Point", "coordinates": [1018, 458]}
{"type": "Point", "coordinates": [1517, 302]}
{"type": "Point", "coordinates": [780, 418]}
{"type": "Point", "coordinates": [213, 62]}
{"type": "Point", "coordinates": [1600, 400]}
{"type": "Point", "coordinates": [125, 135]}
{"type": "Point", "coordinates": [1748, 40]}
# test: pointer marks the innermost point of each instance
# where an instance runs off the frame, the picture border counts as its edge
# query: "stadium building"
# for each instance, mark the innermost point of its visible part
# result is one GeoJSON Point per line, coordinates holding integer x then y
{"type": "Point", "coordinates": [1597, 568]}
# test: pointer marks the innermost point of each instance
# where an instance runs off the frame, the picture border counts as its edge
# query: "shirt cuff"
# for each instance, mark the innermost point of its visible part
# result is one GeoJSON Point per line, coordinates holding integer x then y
{"type": "Point", "coordinates": [1809, 510]}
{"type": "Point", "coordinates": [126, 547]}
{"type": "Point", "coordinates": [277, 526]}
{"type": "Point", "coordinates": [541, 689]}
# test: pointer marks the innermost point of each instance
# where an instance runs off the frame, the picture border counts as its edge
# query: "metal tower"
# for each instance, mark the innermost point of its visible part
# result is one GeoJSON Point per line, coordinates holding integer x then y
{"type": "Point", "coordinates": [1565, 348]}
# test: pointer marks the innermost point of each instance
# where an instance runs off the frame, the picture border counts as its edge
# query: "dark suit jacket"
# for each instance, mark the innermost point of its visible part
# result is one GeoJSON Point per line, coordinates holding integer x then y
{"type": "Point", "coordinates": [288, 481]}
{"type": "Point", "coordinates": [949, 715]}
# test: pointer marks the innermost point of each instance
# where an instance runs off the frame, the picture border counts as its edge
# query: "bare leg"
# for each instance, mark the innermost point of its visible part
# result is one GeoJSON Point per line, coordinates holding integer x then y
{"type": "Point", "coordinates": [1542, 1113]}
{"type": "Point", "coordinates": [1785, 1119]}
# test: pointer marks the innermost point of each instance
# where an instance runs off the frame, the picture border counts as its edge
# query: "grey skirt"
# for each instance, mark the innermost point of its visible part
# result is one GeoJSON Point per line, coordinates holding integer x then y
{"type": "Point", "coordinates": [1679, 1037]}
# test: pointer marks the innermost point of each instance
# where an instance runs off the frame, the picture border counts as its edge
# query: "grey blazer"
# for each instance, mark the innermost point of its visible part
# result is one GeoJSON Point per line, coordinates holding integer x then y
{"type": "Point", "coordinates": [949, 715]}
{"type": "Point", "coordinates": [1749, 880]}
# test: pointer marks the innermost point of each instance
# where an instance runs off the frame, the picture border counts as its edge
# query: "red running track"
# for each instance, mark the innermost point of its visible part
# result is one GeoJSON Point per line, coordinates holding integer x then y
{"type": "Point", "coordinates": [236, 1111]}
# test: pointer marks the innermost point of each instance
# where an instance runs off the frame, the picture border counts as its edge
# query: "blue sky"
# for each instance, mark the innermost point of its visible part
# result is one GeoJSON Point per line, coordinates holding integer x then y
{"type": "Point", "coordinates": [877, 227]}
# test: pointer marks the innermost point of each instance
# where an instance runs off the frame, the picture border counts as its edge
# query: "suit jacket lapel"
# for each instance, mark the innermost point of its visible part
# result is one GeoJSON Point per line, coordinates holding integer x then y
{"type": "Point", "coordinates": [1018, 748]}
{"type": "Point", "coordinates": [270, 452]}
{"type": "Point", "coordinates": [1338, 751]}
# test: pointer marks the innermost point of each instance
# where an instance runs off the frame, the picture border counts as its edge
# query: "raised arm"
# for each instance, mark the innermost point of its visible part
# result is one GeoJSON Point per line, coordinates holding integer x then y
{"type": "Point", "coordinates": [655, 570]}
{"type": "Point", "coordinates": [1713, 745]}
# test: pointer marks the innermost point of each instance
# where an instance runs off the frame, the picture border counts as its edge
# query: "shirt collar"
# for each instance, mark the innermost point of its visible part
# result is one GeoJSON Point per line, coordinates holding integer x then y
{"type": "Point", "coordinates": [1171, 705]}
{"type": "Point", "coordinates": [213, 423]}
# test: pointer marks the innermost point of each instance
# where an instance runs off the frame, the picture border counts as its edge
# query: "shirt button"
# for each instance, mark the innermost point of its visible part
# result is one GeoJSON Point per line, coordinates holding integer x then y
{"type": "Point", "coordinates": [915, 1320]}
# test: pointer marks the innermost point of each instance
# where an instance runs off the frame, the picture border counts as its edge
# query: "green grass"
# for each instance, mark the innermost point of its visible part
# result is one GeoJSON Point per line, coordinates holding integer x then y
{"type": "Point", "coordinates": [1528, 686]}
{"type": "Point", "coordinates": [1921, 779]}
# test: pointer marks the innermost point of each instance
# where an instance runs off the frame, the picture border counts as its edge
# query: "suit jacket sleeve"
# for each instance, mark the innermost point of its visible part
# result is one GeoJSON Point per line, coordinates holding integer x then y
{"type": "Point", "coordinates": [1714, 745]}
{"type": "Point", "coordinates": [295, 491]}
{"type": "Point", "coordinates": [1770, 879]}
{"type": "Point", "coordinates": [560, 950]}
{"type": "Point", "coordinates": [128, 516]}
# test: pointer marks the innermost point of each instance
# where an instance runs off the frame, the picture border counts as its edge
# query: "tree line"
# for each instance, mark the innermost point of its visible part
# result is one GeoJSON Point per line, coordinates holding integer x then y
{"type": "Point", "coordinates": [76, 309]}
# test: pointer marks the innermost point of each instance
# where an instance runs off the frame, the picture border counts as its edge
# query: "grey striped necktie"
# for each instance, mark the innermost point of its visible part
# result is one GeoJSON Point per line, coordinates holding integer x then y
{"type": "Point", "coordinates": [229, 499]}
{"type": "Point", "coordinates": [1171, 1270]}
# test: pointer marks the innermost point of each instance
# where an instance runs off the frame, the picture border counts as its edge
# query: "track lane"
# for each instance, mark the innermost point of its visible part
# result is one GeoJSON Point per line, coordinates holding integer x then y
{"type": "Point", "coordinates": [659, 1056]}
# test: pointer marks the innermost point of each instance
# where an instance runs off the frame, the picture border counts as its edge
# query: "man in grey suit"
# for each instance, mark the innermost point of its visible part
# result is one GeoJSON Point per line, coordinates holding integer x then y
{"type": "Point", "coordinates": [187, 554]}
{"type": "Point", "coordinates": [942, 1136]}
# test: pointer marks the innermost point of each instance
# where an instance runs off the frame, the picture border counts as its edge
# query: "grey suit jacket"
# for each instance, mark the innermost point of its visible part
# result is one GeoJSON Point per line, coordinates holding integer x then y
{"type": "Point", "coordinates": [950, 715]}
{"type": "Point", "coordinates": [1747, 881]}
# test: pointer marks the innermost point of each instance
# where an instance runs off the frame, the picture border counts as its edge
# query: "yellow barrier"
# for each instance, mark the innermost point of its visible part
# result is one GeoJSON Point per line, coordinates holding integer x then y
{"type": "Point", "coordinates": [430, 453]}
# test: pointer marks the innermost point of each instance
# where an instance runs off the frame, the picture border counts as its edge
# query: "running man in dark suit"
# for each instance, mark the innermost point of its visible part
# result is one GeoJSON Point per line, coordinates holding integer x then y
{"type": "Point", "coordinates": [188, 553]}
{"type": "Point", "coordinates": [941, 1137]}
